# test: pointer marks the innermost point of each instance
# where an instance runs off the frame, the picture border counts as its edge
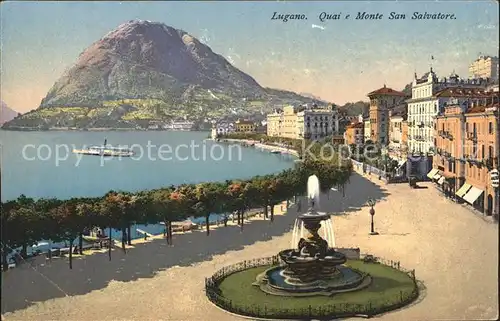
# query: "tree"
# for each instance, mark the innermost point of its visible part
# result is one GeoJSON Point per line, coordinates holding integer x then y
{"type": "Point", "coordinates": [111, 215]}
{"type": "Point", "coordinates": [277, 193]}
{"type": "Point", "coordinates": [68, 222]}
{"type": "Point", "coordinates": [209, 197]}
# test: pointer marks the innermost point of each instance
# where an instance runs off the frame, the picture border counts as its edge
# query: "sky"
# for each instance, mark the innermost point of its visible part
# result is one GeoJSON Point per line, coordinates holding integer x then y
{"type": "Point", "coordinates": [337, 60]}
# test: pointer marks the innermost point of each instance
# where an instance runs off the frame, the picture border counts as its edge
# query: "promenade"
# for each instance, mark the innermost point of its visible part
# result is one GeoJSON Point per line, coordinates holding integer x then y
{"type": "Point", "coordinates": [454, 253]}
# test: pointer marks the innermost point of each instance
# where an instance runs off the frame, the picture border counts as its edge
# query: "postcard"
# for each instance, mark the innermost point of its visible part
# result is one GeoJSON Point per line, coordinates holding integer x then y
{"type": "Point", "coordinates": [286, 160]}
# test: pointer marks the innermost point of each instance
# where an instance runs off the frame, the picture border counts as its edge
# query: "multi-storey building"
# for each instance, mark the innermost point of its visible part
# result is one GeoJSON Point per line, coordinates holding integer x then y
{"type": "Point", "coordinates": [424, 105]}
{"type": "Point", "coordinates": [244, 126]}
{"type": "Point", "coordinates": [366, 126]}
{"type": "Point", "coordinates": [303, 122]}
{"type": "Point", "coordinates": [398, 134]}
{"type": "Point", "coordinates": [381, 101]}
{"type": "Point", "coordinates": [353, 134]}
{"type": "Point", "coordinates": [484, 67]}
{"type": "Point", "coordinates": [283, 123]}
{"type": "Point", "coordinates": [466, 139]}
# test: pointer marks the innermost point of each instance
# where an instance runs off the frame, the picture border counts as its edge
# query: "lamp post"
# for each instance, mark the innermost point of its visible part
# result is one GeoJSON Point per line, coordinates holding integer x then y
{"type": "Point", "coordinates": [371, 203]}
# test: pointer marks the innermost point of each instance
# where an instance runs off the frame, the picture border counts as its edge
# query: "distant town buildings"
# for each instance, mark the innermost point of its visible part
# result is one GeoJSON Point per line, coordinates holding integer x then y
{"type": "Point", "coordinates": [484, 67]}
{"type": "Point", "coordinates": [303, 122]}
{"type": "Point", "coordinates": [221, 129]}
{"type": "Point", "coordinates": [381, 102]}
{"type": "Point", "coordinates": [466, 137]}
{"type": "Point", "coordinates": [244, 126]}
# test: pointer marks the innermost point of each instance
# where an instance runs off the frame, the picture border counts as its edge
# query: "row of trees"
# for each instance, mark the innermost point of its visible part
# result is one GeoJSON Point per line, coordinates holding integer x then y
{"type": "Point", "coordinates": [26, 221]}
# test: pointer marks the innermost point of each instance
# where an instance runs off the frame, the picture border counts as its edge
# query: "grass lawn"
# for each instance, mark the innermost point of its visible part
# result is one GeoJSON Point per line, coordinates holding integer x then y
{"type": "Point", "coordinates": [385, 289]}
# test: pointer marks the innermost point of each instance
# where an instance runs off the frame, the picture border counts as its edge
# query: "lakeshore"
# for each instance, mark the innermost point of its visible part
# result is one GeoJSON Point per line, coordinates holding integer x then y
{"type": "Point", "coordinates": [268, 147]}
{"type": "Point", "coordinates": [447, 245]}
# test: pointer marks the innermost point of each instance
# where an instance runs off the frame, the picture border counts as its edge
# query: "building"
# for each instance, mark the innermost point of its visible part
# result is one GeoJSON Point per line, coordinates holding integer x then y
{"type": "Point", "coordinates": [398, 134]}
{"type": "Point", "coordinates": [303, 122]}
{"type": "Point", "coordinates": [283, 123]}
{"type": "Point", "coordinates": [466, 139]}
{"type": "Point", "coordinates": [367, 129]}
{"type": "Point", "coordinates": [338, 139]}
{"type": "Point", "coordinates": [381, 102]}
{"type": "Point", "coordinates": [222, 128]}
{"type": "Point", "coordinates": [244, 126]}
{"type": "Point", "coordinates": [484, 67]}
{"type": "Point", "coordinates": [425, 103]}
{"type": "Point", "coordinates": [354, 134]}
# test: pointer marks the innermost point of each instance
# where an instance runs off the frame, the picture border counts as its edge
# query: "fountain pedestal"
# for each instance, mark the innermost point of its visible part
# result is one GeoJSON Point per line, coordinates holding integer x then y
{"type": "Point", "coordinates": [313, 268]}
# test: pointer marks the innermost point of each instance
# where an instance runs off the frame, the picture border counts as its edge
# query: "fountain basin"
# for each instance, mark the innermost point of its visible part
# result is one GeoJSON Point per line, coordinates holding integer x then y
{"type": "Point", "coordinates": [276, 282]}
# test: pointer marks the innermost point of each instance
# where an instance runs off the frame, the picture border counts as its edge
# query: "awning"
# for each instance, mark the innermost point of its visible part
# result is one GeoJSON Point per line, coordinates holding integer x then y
{"type": "Point", "coordinates": [463, 190]}
{"type": "Point", "coordinates": [472, 195]}
{"type": "Point", "coordinates": [432, 173]}
{"type": "Point", "coordinates": [441, 180]}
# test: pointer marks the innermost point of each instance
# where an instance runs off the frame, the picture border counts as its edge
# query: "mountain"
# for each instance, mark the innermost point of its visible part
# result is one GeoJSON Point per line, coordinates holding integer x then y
{"type": "Point", "coordinates": [309, 95]}
{"type": "Point", "coordinates": [144, 71]}
{"type": "Point", "coordinates": [6, 114]}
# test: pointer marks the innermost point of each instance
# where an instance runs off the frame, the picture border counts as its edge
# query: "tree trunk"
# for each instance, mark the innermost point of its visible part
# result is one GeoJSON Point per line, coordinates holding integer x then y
{"type": "Point", "coordinates": [240, 213]}
{"type": "Point", "coordinates": [5, 263]}
{"type": "Point", "coordinates": [80, 244]}
{"type": "Point", "coordinates": [170, 234]}
{"type": "Point", "coordinates": [207, 222]}
{"type": "Point", "coordinates": [266, 211]}
{"type": "Point", "coordinates": [109, 245]}
{"type": "Point", "coordinates": [129, 235]}
{"type": "Point", "coordinates": [24, 251]}
{"type": "Point", "coordinates": [272, 213]}
{"type": "Point", "coordinates": [287, 203]}
{"type": "Point", "coordinates": [225, 220]}
{"type": "Point", "coordinates": [71, 254]}
{"type": "Point", "coordinates": [124, 239]}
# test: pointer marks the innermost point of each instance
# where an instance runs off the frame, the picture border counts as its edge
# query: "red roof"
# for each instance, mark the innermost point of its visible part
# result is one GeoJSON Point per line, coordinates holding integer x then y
{"type": "Point", "coordinates": [463, 92]}
{"type": "Point", "coordinates": [356, 125]}
{"type": "Point", "coordinates": [386, 91]}
{"type": "Point", "coordinates": [481, 108]}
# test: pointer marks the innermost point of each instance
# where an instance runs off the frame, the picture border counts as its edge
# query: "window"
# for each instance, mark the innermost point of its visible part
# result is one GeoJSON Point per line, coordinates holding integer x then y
{"type": "Point", "coordinates": [482, 152]}
{"type": "Point", "coordinates": [490, 127]}
{"type": "Point", "coordinates": [467, 127]}
{"type": "Point", "coordinates": [490, 152]}
{"type": "Point", "coordinates": [450, 166]}
{"type": "Point", "coordinates": [474, 129]}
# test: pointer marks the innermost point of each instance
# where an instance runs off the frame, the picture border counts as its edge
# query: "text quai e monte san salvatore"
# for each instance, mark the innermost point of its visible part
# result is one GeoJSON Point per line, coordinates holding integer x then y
{"type": "Point", "coordinates": [328, 16]}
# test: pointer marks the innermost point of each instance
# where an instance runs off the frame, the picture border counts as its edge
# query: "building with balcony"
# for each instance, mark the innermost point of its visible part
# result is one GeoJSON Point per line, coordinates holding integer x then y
{"type": "Point", "coordinates": [303, 122]}
{"type": "Point", "coordinates": [354, 134]}
{"type": "Point", "coordinates": [466, 139]}
{"type": "Point", "coordinates": [484, 67]}
{"type": "Point", "coordinates": [381, 102]}
{"type": "Point", "coordinates": [398, 137]}
{"type": "Point", "coordinates": [429, 96]}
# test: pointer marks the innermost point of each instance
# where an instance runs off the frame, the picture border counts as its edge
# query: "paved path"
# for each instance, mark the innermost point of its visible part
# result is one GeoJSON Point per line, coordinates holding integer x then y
{"type": "Point", "coordinates": [454, 252]}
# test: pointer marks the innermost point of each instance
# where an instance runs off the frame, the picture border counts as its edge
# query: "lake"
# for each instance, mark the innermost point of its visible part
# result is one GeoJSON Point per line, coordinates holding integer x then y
{"type": "Point", "coordinates": [41, 164]}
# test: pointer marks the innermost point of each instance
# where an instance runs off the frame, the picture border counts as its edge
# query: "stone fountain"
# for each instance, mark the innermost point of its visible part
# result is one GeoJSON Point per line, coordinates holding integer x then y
{"type": "Point", "coordinates": [313, 268]}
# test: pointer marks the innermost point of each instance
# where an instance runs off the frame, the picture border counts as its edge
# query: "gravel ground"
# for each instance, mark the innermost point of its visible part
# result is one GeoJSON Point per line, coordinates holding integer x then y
{"type": "Point", "coordinates": [454, 252]}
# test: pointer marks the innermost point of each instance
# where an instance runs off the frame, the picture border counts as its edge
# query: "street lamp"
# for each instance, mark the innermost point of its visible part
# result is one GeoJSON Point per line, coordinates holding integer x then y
{"type": "Point", "coordinates": [371, 202]}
